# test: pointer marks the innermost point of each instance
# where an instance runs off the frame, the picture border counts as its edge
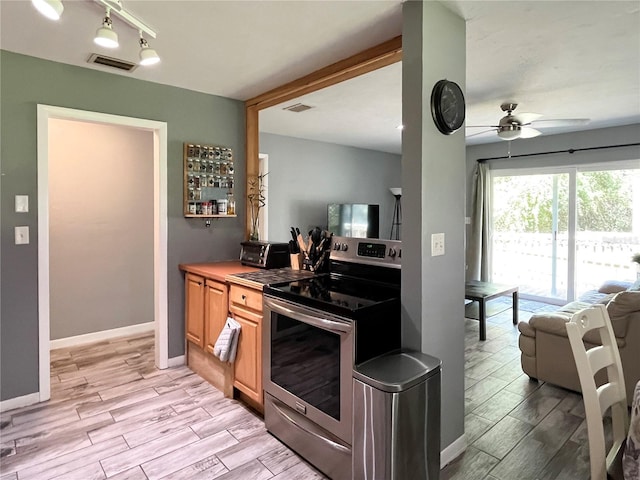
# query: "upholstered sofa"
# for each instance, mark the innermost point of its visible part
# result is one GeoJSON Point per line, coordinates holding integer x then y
{"type": "Point", "coordinates": [545, 351]}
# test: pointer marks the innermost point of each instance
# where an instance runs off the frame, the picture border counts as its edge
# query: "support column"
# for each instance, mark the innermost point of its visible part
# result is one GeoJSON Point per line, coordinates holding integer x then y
{"type": "Point", "coordinates": [433, 196]}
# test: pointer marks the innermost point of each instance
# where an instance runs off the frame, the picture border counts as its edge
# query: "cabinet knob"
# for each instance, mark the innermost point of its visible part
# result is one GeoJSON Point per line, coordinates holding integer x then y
{"type": "Point", "coordinates": [244, 297]}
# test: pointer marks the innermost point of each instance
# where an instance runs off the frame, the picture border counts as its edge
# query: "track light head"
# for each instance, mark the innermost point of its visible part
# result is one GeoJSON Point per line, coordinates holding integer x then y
{"type": "Point", "coordinates": [148, 56]}
{"type": "Point", "coordinates": [105, 36]}
{"type": "Point", "coordinates": [49, 8]}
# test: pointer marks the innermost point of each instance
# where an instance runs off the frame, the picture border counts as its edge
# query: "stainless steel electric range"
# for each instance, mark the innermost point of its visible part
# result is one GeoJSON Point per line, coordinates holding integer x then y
{"type": "Point", "coordinates": [316, 329]}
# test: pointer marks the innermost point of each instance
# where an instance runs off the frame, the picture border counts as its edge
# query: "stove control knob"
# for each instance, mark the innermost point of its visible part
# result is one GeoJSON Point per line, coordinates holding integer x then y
{"type": "Point", "coordinates": [344, 247]}
{"type": "Point", "coordinates": [336, 246]}
{"type": "Point", "coordinates": [262, 251]}
{"type": "Point", "coordinates": [392, 252]}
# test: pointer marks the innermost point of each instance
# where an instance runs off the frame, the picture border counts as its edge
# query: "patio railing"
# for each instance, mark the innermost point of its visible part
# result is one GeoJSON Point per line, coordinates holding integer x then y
{"type": "Point", "coordinates": [527, 259]}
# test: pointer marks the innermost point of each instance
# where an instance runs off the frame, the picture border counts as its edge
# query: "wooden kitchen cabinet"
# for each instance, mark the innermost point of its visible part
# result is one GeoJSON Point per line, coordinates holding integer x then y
{"type": "Point", "coordinates": [206, 309]}
{"type": "Point", "coordinates": [246, 306]}
{"type": "Point", "coordinates": [216, 308]}
{"type": "Point", "coordinates": [194, 309]}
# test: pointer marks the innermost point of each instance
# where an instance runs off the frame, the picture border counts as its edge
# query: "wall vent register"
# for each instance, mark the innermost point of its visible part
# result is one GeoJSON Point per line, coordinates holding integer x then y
{"type": "Point", "coordinates": [208, 181]}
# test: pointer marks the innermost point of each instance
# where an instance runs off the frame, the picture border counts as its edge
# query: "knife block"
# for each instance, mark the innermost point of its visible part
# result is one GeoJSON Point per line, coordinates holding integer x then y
{"type": "Point", "coordinates": [296, 261]}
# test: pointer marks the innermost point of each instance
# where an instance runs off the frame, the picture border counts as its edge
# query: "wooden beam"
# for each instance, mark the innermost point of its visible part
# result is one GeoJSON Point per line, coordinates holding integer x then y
{"type": "Point", "coordinates": [364, 62]}
{"type": "Point", "coordinates": [373, 58]}
{"type": "Point", "coordinates": [252, 146]}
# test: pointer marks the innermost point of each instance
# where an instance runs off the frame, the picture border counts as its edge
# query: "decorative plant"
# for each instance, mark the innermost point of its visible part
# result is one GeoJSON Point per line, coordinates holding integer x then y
{"type": "Point", "coordinates": [257, 200]}
{"type": "Point", "coordinates": [636, 258]}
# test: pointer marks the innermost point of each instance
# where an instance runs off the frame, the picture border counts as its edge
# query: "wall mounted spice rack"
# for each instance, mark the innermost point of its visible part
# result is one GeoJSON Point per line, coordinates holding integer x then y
{"type": "Point", "coordinates": [208, 181]}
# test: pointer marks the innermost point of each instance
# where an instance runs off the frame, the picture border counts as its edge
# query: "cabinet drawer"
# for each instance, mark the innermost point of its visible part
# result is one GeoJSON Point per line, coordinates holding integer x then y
{"type": "Point", "coordinates": [246, 297]}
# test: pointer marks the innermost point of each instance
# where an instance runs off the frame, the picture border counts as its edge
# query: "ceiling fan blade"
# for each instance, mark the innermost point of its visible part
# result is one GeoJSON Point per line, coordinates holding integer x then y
{"type": "Point", "coordinates": [480, 133]}
{"type": "Point", "coordinates": [561, 122]}
{"type": "Point", "coordinates": [525, 118]}
{"type": "Point", "coordinates": [528, 132]}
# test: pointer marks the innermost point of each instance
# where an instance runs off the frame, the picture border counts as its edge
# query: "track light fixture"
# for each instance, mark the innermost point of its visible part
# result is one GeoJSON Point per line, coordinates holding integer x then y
{"type": "Point", "coordinates": [105, 36]}
{"type": "Point", "coordinates": [148, 56]}
{"type": "Point", "coordinates": [49, 8]}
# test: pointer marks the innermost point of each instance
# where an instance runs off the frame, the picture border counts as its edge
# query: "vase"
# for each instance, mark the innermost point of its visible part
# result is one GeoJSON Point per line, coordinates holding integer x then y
{"type": "Point", "coordinates": [254, 235]}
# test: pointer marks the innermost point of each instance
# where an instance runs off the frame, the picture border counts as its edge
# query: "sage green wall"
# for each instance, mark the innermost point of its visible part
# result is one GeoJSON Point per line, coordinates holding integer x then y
{"type": "Point", "coordinates": [190, 116]}
{"type": "Point", "coordinates": [433, 196]}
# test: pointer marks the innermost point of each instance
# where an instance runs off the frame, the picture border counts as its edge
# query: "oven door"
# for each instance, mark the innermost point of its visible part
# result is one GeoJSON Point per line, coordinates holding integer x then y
{"type": "Point", "coordinates": [308, 363]}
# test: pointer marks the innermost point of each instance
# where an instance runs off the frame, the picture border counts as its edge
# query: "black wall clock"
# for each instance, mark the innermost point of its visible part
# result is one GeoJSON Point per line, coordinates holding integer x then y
{"type": "Point", "coordinates": [447, 106]}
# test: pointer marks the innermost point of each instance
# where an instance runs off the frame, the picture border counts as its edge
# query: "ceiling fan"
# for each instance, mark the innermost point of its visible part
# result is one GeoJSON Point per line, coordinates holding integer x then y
{"type": "Point", "coordinates": [520, 125]}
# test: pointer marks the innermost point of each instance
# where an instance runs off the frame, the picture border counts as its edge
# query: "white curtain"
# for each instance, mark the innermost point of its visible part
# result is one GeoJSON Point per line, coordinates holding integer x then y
{"type": "Point", "coordinates": [478, 252]}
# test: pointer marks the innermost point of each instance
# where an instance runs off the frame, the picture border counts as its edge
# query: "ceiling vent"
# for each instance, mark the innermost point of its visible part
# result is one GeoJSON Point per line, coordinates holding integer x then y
{"type": "Point", "coordinates": [112, 62]}
{"type": "Point", "coordinates": [298, 107]}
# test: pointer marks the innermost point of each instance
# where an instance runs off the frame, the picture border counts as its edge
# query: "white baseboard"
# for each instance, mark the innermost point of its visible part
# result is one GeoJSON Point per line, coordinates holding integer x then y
{"type": "Point", "coordinates": [100, 336]}
{"type": "Point", "coordinates": [453, 451]}
{"type": "Point", "coordinates": [19, 402]}
{"type": "Point", "coordinates": [176, 361]}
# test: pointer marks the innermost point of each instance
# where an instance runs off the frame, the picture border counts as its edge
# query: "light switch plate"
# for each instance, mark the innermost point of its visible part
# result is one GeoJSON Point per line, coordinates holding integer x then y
{"type": "Point", "coordinates": [22, 203]}
{"type": "Point", "coordinates": [437, 244]}
{"type": "Point", "coordinates": [22, 235]}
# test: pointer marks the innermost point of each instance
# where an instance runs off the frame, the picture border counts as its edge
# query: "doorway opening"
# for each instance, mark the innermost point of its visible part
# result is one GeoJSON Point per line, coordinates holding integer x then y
{"type": "Point", "coordinates": [159, 132]}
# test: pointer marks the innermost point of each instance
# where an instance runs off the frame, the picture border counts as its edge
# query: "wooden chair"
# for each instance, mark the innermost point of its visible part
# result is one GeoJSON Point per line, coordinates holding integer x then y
{"type": "Point", "coordinates": [597, 400]}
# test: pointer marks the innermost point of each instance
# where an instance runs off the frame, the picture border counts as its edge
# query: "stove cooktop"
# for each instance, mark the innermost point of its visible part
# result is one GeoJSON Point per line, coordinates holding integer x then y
{"type": "Point", "coordinates": [346, 296]}
{"type": "Point", "coordinates": [274, 275]}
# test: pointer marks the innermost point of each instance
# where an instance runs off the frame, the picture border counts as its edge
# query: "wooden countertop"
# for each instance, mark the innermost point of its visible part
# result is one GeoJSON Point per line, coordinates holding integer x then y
{"type": "Point", "coordinates": [216, 270]}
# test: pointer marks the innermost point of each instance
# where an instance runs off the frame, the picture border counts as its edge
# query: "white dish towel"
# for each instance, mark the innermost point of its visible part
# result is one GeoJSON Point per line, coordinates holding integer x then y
{"type": "Point", "coordinates": [227, 344]}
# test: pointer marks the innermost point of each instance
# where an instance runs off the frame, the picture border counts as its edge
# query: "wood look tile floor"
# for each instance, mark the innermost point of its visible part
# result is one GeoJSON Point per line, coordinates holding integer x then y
{"type": "Point", "coordinates": [516, 428]}
{"type": "Point", "coordinates": [113, 415]}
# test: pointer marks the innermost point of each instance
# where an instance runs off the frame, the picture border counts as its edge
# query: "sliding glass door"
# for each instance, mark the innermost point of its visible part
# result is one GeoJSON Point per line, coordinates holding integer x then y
{"type": "Point", "coordinates": [608, 226]}
{"type": "Point", "coordinates": [530, 233]}
{"type": "Point", "coordinates": [559, 233]}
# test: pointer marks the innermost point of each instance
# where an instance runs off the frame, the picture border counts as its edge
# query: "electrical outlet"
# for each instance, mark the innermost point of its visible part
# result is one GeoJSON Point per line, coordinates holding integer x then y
{"type": "Point", "coordinates": [437, 244]}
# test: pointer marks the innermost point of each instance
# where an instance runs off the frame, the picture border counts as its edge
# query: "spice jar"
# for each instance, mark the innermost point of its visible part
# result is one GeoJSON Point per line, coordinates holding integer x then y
{"type": "Point", "coordinates": [231, 206]}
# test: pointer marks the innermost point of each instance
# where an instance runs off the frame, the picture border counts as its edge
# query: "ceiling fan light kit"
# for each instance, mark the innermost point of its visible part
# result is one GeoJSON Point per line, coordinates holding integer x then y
{"type": "Point", "coordinates": [513, 126]}
{"type": "Point", "coordinates": [509, 132]}
{"type": "Point", "coordinates": [105, 35]}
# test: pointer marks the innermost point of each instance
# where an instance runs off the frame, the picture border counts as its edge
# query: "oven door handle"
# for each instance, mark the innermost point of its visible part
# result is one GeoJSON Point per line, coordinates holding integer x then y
{"type": "Point", "coordinates": [298, 314]}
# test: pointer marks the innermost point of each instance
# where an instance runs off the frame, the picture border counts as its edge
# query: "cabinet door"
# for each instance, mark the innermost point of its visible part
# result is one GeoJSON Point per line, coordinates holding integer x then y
{"type": "Point", "coordinates": [194, 309]}
{"type": "Point", "coordinates": [248, 365]}
{"type": "Point", "coordinates": [216, 308]}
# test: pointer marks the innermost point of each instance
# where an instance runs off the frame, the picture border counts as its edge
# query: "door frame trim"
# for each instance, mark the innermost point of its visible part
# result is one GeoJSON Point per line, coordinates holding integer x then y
{"type": "Point", "coordinates": [159, 129]}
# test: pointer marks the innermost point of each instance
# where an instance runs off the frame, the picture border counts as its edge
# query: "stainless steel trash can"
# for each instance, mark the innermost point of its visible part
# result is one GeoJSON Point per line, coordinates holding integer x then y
{"type": "Point", "coordinates": [396, 418]}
